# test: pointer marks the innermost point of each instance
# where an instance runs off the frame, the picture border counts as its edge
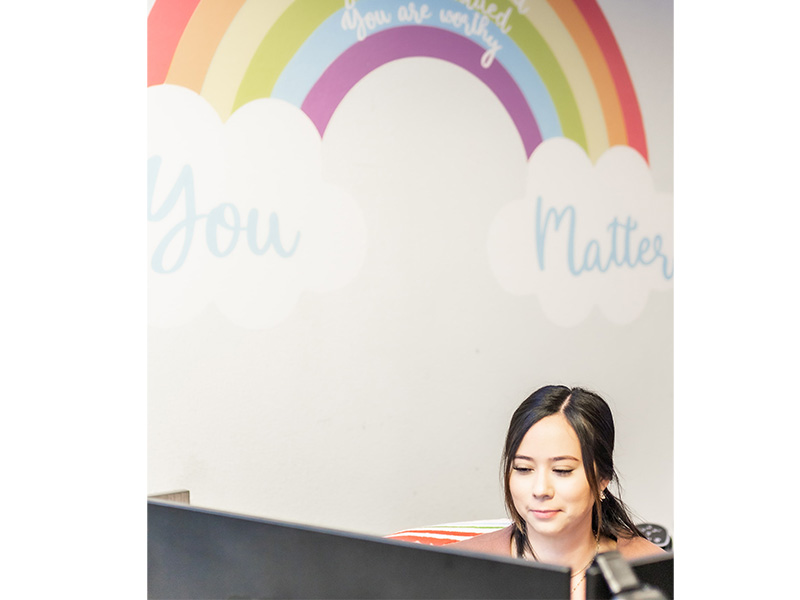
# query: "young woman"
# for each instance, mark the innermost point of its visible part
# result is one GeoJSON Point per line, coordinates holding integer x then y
{"type": "Point", "coordinates": [557, 465]}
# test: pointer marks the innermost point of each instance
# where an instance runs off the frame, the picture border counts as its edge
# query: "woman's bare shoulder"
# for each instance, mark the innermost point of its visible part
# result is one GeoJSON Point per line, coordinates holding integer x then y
{"type": "Point", "coordinates": [635, 547]}
{"type": "Point", "coordinates": [495, 542]}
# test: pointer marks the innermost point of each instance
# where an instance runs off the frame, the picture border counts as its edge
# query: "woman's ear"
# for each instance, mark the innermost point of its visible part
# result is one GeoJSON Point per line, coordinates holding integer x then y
{"type": "Point", "coordinates": [603, 483]}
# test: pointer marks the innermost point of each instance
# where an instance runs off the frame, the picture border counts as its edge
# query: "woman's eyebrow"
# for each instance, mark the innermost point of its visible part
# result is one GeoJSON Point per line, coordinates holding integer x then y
{"type": "Point", "coordinates": [554, 459]}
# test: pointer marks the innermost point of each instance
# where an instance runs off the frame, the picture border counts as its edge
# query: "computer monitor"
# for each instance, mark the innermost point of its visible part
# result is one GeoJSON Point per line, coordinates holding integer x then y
{"type": "Point", "coordinates": [656, 571]}
{"type": "Point", "coordinates": [201, 554]}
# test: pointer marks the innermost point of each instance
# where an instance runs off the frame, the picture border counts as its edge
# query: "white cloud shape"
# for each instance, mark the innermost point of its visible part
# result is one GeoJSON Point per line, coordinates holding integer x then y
{"type": "Point", "coordinates": [584, 235]}
{"type": "Point", "coordinates": [239, 215]}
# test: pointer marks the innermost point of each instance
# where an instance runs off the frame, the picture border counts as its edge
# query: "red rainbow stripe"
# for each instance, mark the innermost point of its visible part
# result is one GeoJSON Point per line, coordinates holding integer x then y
{"type": "Point", "coordinates": [165, 25]}
{"type": "Point", "coordinates": [631, 111]}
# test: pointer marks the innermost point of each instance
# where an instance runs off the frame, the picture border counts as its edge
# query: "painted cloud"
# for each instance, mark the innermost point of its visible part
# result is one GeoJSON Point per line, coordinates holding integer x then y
{"type": "Point", "coordinates": [238, 213]}
{"type": "Point", "coordinates": [584, 235]}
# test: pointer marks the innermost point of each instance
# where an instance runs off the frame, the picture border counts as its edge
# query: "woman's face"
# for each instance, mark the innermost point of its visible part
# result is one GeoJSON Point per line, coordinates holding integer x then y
{"type": "Point", "coordinates": [548, 482]}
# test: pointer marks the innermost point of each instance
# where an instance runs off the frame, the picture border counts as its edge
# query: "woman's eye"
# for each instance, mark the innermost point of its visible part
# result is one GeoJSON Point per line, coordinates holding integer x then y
{"type": "Point", "coordinates": [563, 472]}
{"type": "Point", "coordinates": [523, 469]}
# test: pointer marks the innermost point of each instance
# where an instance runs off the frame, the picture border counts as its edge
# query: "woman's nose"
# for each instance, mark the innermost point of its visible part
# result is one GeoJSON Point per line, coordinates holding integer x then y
{"type": "Point", "coordinates": [542, 487]}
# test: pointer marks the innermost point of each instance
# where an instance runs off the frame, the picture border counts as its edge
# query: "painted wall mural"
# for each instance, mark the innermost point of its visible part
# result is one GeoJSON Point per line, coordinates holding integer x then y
{"type": "Point", "coordinates": [243, 79]}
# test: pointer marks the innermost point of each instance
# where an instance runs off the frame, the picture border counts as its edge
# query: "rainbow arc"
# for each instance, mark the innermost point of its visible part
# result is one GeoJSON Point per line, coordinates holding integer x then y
{"type": "Point", "coordinates": [559, 71]}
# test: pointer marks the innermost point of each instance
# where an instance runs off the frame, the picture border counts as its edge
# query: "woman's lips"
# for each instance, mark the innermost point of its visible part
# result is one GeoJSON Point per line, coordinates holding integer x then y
{"type": "Point", "coordinates": [544, 514]}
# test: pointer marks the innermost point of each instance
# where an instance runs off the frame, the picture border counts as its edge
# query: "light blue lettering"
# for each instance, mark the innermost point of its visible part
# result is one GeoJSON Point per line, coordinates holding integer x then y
{"type": "Point", "coordinates": [184, 185]}
{"type": "Point", "coordinates": [665, 267]}
{"type": "Point", "coordinates": [644, 246]}
{"type": "Point", "coordinates": [223, 217]}
{"type": "Point", "coordinates": [647, 252]}
{"type": "Point", "coordinates": [591, 257]}
{"type": "Point", "coordinates": [273, 238]}
{"type": "Point", "coordinates": [216, 219]}
{"type": "Point", "coordinates": [541, 232]}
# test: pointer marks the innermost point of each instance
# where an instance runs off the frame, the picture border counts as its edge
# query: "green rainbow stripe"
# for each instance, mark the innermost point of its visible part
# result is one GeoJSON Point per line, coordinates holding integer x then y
{"type": "Point", "coordinates": [280, 43]}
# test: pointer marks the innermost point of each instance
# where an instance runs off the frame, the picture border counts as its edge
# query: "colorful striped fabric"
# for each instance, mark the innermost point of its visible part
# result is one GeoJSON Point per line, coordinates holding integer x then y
{"type": "Point", "coordinates": [447, 533]}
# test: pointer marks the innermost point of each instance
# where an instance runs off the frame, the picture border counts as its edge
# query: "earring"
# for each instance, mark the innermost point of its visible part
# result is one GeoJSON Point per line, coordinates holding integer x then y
{"type": "Point", "coordinates": [602, 495]}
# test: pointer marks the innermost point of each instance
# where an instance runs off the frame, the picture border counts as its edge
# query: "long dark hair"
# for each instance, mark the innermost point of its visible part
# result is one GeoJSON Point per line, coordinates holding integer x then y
{"type": "Point", "coordinates": [590, 417]}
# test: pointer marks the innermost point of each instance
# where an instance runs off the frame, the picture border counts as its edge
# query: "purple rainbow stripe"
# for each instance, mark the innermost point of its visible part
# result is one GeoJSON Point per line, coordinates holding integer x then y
{"type": "Point", "coordinates": [404, 42]}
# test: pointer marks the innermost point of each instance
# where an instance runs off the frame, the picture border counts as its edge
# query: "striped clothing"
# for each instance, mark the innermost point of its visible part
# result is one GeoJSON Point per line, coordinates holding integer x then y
{"type": "Point", "coordinates": [448, 533]}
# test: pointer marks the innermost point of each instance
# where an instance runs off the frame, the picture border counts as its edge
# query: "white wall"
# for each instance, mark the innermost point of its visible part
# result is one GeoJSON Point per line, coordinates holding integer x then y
{"type": "Point", "coordinates": [379, 401]}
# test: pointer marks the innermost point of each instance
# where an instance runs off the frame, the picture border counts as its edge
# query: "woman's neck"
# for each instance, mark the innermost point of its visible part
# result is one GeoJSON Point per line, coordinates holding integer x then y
{"type": "Point", "coordinates": [576, 551]}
